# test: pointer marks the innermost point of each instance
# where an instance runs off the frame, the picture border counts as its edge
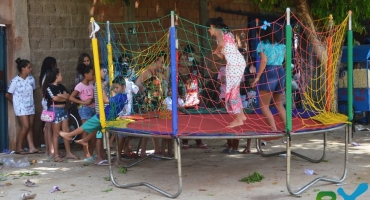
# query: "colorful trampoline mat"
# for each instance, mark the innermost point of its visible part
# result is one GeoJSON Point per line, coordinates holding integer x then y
{"type": "Point", "coordinates": [215, 125]}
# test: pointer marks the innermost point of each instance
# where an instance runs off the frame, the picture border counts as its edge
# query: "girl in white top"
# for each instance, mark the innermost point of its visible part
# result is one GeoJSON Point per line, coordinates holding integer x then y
{"type": "Point", "coordinates": [20, 94]}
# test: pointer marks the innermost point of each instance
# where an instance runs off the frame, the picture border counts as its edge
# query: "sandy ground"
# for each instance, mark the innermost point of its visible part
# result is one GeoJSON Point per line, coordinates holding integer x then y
{"type": "Point", "coordinates": [206, 174]}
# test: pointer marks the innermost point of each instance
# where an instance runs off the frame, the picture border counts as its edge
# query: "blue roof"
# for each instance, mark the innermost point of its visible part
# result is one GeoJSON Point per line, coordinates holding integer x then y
{"type": "Point", "coordinates": [361, 53]}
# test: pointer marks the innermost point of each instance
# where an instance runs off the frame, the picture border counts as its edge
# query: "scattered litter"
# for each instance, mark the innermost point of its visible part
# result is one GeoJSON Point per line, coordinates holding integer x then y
{"type": "Point", "coordinates": [10, 162]}
{"type": "Point", "coordinates": [355, 144]}
{"type": "Point", "coordinates": [43, 145]}
{"type": "Point", "coordinates": [309, 171]}
{"type": "Point", "coordinates": [255, 177]}
{"type": "Point", "coordinates": [263, 143]}
{"type": "Point", "coordinates": [12, 152]}
{"type": "Point", "coordinates": [29, 183]}
{"type": "Point", "coordinates": [340, 184]}
{"type": "Point", "coordinates": [40, 162]}
{"type": "Point", "coordinates": [55, 188]}
{"type": "Point", "coordinates": [25, 196]}
{"type": "Point", "coordinates": [284, 141]}
{"type": "Point", "coordinates": [361, 128]}
{"type": "Point", "coordinates": [282, 155]}
{"type": "Point", "coordinates": [6, 151]}
{"type": "Point", "coordinates": [53, 164]}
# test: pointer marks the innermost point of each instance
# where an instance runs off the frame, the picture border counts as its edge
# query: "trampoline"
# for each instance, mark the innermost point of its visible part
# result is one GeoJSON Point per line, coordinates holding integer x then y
{"type": "Point", "coordinates": [316, 116]}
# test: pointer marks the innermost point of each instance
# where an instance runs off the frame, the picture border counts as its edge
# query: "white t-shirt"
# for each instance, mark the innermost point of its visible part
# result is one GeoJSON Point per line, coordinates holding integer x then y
{"type": "Point", "coordinates": [22, 91]}
{"type": "Point", "coordinates": [131, 89]}
{"type": "Point", "coordinates": [168, 102]}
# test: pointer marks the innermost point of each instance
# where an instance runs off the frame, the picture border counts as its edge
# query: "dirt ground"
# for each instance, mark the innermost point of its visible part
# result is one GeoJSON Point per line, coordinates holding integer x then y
{"type": "Point", "coordinates": [206, 174]}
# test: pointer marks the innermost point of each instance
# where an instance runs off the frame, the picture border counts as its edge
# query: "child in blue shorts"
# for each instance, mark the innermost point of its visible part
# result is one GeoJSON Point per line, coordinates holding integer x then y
{"type": "Point", "coordinates": [116, 105]}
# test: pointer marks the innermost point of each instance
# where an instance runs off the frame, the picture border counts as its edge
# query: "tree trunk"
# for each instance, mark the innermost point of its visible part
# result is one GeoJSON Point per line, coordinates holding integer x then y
{"type": "Point", "coordinates": [319, 49]}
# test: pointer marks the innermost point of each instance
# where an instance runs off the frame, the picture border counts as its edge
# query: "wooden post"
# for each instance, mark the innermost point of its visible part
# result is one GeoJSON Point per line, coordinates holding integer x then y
{"type": "Point", "coordinates": [203, 17]}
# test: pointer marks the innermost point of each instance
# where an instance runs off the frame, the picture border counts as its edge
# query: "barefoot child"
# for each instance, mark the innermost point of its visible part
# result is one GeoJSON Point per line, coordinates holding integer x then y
{"type": "Point", "coordinates": [116, 105]}
{"type": "Point", "coordinates": [56, 96]}
{"type": "Point", "coordinates": [85, 91]}
{"type": "Point", "coordinates": [227, 49]}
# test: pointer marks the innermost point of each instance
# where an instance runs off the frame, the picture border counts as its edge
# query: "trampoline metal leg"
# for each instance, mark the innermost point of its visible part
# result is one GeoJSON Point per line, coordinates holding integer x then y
{"type": "Point", "coordinates": [295, 153]}
{"type": "Point", "coordinates": [288, 159]}
{"type": "Point", "coordinates": [178, 152]}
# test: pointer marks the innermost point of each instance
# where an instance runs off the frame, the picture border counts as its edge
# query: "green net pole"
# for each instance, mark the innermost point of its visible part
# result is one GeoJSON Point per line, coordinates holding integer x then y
{"type": "Point", "coordinates": [288, 71]}
{"type": "Point", "coordinates": [350, 67]}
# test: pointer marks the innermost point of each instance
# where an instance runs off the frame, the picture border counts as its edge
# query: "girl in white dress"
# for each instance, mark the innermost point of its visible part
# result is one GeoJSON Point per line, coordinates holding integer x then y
{"type": "Point", "coordinates": [20, 94]}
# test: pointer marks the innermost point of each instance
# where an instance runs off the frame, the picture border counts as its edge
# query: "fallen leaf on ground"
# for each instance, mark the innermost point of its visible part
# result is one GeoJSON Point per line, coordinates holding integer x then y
{"type": "Point", "coordinates": [107, 190]}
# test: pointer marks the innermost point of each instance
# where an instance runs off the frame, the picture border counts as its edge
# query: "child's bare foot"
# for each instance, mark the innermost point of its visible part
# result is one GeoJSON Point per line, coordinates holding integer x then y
{"type": "Point", "coordinates": [65, 135]}
{"type": "Point", "coordinates": [81, 142]}
{"type": "Point", "coordinates": [244, 118]}
{"type": "Point", "coordinates": [71, 156]}
{"type": "Point", "coordinates": [235, 124]}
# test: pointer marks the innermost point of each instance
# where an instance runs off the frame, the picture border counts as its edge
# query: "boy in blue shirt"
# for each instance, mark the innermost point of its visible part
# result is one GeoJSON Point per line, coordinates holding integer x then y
{"type": "Point", "coordinates": [116, 105]}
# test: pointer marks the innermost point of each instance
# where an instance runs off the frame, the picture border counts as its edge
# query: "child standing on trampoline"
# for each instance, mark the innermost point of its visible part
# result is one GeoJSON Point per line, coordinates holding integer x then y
{"type": "Point", "coordinates": [235, 64]}
{"type": "Point", "coordinates": [271, 74]}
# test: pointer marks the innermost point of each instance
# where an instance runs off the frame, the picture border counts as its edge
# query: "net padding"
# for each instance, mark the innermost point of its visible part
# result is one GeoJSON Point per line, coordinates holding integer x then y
{"type": "Point", "coordinates": [314, 75]}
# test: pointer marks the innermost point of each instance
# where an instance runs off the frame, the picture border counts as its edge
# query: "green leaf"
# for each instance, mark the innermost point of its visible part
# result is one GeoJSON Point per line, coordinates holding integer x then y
{"type": "Point", "coordinates": [107, 190]}
{"type": "Point", "coordinates": [255, 177]}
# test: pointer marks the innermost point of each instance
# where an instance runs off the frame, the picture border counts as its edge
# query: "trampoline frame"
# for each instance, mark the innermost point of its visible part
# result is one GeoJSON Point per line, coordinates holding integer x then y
{"type": "Point", "coordinates": [288, 151]}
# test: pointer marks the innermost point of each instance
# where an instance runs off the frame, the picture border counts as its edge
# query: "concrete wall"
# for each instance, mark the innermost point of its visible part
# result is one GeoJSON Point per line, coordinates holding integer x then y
{"type": "Point", "coordinates": [41, 28]}
{"type": "Point", "coordinates": [58, 29]}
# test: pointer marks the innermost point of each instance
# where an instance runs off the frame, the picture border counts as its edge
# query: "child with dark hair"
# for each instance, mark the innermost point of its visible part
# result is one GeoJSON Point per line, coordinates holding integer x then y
{"type": "Point", "coordinates": [20, 94]}
{"type": "Point", "coordinates": [235, 64]}
{"type": "Point", "coordinates": [48, 64]}
{"type": "Point", "coordinates": [116, 105]}
{"type": "Point", "coordinates": [85, 93]}
{"type": "Point", "coordinates": [271, 74]}
{"type": "Point", "coordinates": [56, 96]}
{"type": "Point", "coordinates": [84, 58]}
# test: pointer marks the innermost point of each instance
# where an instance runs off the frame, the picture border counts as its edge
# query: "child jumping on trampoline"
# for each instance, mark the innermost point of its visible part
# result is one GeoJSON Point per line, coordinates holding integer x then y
{"type": "Point", "coordinates": [235, 64]}
{"type": "Point", "coordinates": [116, 105]}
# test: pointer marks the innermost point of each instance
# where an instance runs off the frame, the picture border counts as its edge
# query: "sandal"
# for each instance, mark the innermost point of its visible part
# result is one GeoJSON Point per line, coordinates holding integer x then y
{"type": "Point", "coordinates": [226, 151]}
{"type": "Point", "coordinates": [58, 159]}
{"type": "Point", "coordinates": [202, 146]}
{"type": "Point", "coordinates": [234, 152]}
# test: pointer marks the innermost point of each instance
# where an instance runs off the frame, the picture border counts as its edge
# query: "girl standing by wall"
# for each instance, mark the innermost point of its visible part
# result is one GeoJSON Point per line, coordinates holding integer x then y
{"type": "Point", "coordinates": [48, 64]}
{"type": "Point", "coordinates": [56, 96]}
{"type": "Point", "coordinates": [20, 94]}
{"type": "Point", "coordinates": [85, 91]}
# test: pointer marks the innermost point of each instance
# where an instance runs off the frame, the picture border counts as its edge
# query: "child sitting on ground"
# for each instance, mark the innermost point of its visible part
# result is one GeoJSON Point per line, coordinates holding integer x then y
{"type": "Point", "coordinates": [168, 104]}
{"type": "Point", "coordinates": [116, 105]}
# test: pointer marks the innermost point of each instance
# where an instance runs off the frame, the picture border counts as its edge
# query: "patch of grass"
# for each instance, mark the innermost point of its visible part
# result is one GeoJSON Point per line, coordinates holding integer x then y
{"type": "Point", "coordinates": [122, 170]}
{"type": "Point", "coordinates": [107, 190]}
{"type": "Point", "coordinates": [255, 177]}
{"type": "Point", "coordinates": [34, 173]}
{"type": "Point", "coordinates": [316, 190]}
{"type": "Point", "coordinates": [107, 178]}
